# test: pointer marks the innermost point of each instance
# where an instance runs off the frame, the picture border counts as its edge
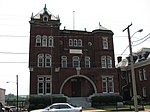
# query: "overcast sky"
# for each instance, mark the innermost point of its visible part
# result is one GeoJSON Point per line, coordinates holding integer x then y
{"type": "Point", "coordinates": [115, 15]}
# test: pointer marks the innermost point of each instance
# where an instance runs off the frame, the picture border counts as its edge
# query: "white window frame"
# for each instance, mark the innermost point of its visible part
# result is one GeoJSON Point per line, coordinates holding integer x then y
{"type": "Point", "coordinates": [75, 42]}
{"type": "Point", "coordinates": [80, 42]}
{"type": "Point", "coordinates": [48, 81]}
{"type": "Point", "coordinates": [87, 62]}
{"type": "Point", "coordinates": [44, 80]}
{"type": "Point", "coordinates": [40, 60]}
{"type": "Point", "coordinates": [109, 61]}
{"type": "Point", "coordinates": [44, 41]}
{"type": "Point", "coordinates": [105, 42]}
{"type": "Point", "coordinates": [140, 75]}
{"type": "Point", "coordinates": [50, 41]}
{"type": "Point", "coordinates": [45, 18]}
{"type": "Point", "coordinates": [144, 74]}
{"type": "Point", "coordinates": [104, 85]}
{"type": "Point", "coordinates": [70, 42]}
{"type": "Point", "coordinates": [107, 84]}
{"type": "Point", "coordinates": [38, 41]}
{"type": "Point", "coordinates": [48, 60]}
{"type": "Point", "coordinates": [103, 62]}
{"type": "Point", "coordinates": [64, 61]}
{"type": "Point", "coordinates": [111, 87]}
{"type": "Point", "coordinates": [40, 81]}
{"type": "Point", "coordinates": [76, 61]}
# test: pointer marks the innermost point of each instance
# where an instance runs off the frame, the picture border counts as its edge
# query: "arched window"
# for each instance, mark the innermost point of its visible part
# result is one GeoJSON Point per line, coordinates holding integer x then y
{"type": "Point", "coordinates": [75, 42]}
{"type": "Point", "coordinates": [70, 42]}
{"type": "Point", "coordinates": [44, 41]}
{"type": "Point", "coordinates": [109, 62]}
{"type": "Point", "coordinates": [48, 60]}
{"type": "Point", "coordinates": [40, 60]}
{"type": "Point", "coordinates": [87, 62]}
{"type": "Point", "coordinates": [38, 40]}
{"type": "Point", "coordinates": [45, 18]}
{"type": "Point", "coordinates": [103, 62]}
{"type": "Point", "coordinates": [63, 61]}
{"type": "Point", "coordinates": [105, 43]}
{"type": "Point", "coordinates": [50, 41]}
{"type": "Point", "coordinates": [76, 61]}
{"type": "Point", "coordinates": [79, 42]}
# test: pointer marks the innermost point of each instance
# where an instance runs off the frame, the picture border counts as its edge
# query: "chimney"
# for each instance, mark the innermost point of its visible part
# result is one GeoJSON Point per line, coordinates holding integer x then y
{"type": "Point", "coordinates": [119, 58]}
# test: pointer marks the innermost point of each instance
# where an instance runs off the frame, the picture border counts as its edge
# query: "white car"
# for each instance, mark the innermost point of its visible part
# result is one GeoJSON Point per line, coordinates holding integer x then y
{"type": "Point", "coordinates": [59, 107]}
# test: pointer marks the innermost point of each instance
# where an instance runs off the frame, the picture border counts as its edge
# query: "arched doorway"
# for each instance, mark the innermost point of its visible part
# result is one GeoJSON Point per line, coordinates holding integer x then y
{"type": "Point", "coordinates": [77, 86]}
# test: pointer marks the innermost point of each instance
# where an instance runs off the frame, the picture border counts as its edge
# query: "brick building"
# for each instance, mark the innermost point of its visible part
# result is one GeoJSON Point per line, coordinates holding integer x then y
{"type": "Point", "coordinates": [70, 62]}
{"type": "Point", "coordinates": [142, 74]}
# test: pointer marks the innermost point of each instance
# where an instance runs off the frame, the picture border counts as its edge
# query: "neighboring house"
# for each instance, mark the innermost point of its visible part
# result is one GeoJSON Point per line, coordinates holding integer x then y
{"type": "Point", "coordinates": [142, 74]}
{"type": "Point", "coordinates": [70, 62]}
{"type": "Point", "coordinates": [2, 96]}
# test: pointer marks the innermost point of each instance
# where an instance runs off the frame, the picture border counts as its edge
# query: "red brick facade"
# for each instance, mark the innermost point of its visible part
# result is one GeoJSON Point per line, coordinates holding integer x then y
{"type": "Point", "coordinates": [142, 75]}
{"type": "Point", "coordinates": [55, 55]}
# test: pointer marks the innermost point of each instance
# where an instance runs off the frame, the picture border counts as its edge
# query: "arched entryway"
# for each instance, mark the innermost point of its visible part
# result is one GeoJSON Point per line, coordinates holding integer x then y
{"type": "Point", "coordinates": [78, 85]}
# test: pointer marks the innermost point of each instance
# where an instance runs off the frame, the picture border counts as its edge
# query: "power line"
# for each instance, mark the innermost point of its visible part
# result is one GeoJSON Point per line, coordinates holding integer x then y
{"type": "Point", "coordinates": [141, 38]}
{"type": "Point", "coordinates": [142, 41]}
{"type": "Point", "coordinates": [14, 36]}
{"type": "Point", "coordinates": [14, 62]}
{"type": "Point", "coordinates": [13, 53]}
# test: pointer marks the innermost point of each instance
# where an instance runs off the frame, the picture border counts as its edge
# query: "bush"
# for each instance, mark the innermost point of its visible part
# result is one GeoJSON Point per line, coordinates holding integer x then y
{"type": "Point", "coordinates": [105, 100]}
{"type": "Point", "coordinates": [37, 102]}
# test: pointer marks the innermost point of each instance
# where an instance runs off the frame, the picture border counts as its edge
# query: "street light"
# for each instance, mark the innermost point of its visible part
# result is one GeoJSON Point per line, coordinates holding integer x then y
{"type": "Point", "coordinates": [17, 89]}
{"type": "Point", "coordinates": [132, 68]}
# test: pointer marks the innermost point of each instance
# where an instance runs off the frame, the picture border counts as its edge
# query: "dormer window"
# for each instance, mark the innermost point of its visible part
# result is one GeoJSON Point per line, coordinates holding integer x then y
{"type": "Point", "coordinates": [45, 18]}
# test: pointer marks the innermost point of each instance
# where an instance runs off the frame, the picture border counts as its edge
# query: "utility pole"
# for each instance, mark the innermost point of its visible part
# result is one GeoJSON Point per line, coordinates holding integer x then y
{"type": "Point", "coordinates": [17, 90]}
{"type": "Point", "coordinates": [132, 70]}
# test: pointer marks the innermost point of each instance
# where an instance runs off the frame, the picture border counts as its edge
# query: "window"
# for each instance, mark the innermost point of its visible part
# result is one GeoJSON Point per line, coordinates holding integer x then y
{"type": "Point", "coordinates": [106, 62]}
{"type": "Point", "coordinates": [44, 41]}
{"type": "Point", "coordinates": [109, 62]}
{"type": "Point", "coordinates": [107, 84]}
{"type": "Point", "coordinates": [38, 40]}
{"type": "Point", "coordinates": [44, 60]}
{"type": "Point", "coordinates": [104, 85]}
{"type": "Point", "coordinates": [105, 43]}
{"type": "Point", "coordinates": [87, 62]}
{"type": "Point", "coordinates": [50, 41]}
{"type": "Point", "coordinates": [44, 85]}
{"type": "Point", "coordinates": [110, 85]}
{"type": "Point", "coordinates": [40, 85]}
{"type": "Point", "coordinates": [41, 60]}
{"type": "Point", "coordinates": [144, 91]}
{"type": "Point", "coordinates": [70, 42]}
{"type": "Point", "coordinates": [140, 75]}
{"type": "Point", "coordinates": [79, 42]}
{"type": "Point", "coordinates": [76, 61]}
{"type": "Point", "coordinates": [103, 62]}
{"type": "Point", "coordinates": [47, 85]}
{"type": "Point", "coordinates": [75, 42]}
{"type": "Point", "coordinates": [144, 74]}
{"type": "Point", "coordinates": [64, 62]}
{"type": "Point", "coordinates": [47, 60]}
{"type": "Point", "coordinates": [45, 18]}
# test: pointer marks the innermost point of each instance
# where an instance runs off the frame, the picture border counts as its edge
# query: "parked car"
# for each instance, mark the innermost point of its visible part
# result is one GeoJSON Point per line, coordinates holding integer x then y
{"type": "Point", "coordinates": [59, 107]}
{"type": "Point", "coordinates": [9, 109]}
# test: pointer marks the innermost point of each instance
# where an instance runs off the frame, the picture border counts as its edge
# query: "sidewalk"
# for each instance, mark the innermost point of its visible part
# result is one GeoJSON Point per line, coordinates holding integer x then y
{"type": "Point", "coordinates": [99, 110]}
{"type": "Point", "coordinates": [146, 110]}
